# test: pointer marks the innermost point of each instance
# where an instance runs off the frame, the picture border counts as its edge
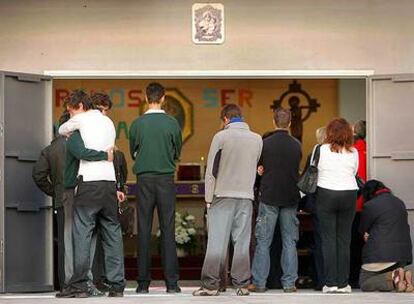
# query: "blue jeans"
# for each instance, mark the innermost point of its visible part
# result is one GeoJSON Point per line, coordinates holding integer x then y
{"type": "Point", "coordinates": [289, 228]}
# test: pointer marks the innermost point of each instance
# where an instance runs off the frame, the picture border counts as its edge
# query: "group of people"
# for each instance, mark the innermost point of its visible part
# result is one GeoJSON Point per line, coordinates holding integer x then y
{"type": "Point", "coordinates": [235, 155]}
{"type": "Point", "coordinates": [86, 186]}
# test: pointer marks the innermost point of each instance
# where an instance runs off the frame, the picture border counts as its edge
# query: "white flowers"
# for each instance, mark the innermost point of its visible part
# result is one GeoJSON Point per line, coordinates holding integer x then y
{"type": "Point", "coordinates": [184, 230]}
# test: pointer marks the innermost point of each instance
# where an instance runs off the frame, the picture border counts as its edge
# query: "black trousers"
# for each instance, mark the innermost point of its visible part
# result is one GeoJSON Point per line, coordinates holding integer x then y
{"type": "Point", "coordinates": [60, 242]}
{"type": "Point", "coordinates": [156, 191]}
{"type": "Point", "coordinates": [96, 206]}
{"type": "Point", "coordinates": [357, 242]}
{"type": "Point", "coordinates": [335, 211]}
{"type": "Point", "coordinates": [317, 252]}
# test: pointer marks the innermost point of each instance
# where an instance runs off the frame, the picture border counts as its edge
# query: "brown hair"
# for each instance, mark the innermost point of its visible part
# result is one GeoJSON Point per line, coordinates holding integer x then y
{"type": "Point", "coordinates": [230, 111]}
{"type": "Point", "coordinates": [154, 91]}
{"type": "Point", "coordinates": [339, 135]}
{"type": "Point", "coordinates": [100, 99]}
{"type": "Point", "coordinates": [282, 118]}
{"type": "Point", "coordinates": [76, 98]}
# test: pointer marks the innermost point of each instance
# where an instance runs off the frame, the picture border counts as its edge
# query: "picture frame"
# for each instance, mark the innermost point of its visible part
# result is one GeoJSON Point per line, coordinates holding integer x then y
{"type": "Point", "coordinates": [208, 23]}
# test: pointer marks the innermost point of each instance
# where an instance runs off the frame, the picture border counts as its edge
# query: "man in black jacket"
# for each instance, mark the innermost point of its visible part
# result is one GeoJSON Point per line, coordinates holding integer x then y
{"type": "Point", "coordinates": [279, 197]}
{"type": "Point", "coordinates": [388, 247]}
{"type": "Point", "coordinates": [48, 176]}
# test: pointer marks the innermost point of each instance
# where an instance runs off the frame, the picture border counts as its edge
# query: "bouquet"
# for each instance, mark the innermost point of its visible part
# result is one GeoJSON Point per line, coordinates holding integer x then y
{"type": "Point", "coordinates": [185, 232]}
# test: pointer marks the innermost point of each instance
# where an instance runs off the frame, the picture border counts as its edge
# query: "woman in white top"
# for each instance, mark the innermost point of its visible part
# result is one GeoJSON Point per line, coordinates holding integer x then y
{"type": "Point", "coordinates": [335, 204]}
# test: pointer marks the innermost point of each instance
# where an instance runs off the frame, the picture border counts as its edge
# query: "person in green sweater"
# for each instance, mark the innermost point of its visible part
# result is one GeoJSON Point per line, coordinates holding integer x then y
{"type": "Point", "coordinates": [155, 142]}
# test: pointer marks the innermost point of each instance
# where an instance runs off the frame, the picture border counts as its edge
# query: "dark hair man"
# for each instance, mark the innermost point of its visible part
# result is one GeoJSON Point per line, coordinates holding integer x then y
{"type": "Point", "coordinates": [101, 102]}
{"type": "Point", "coordinates": [48, 176]}
{"type": "Point", "coordinates": [51, 173]}
{"type": "Point", "coordinates": [279, 197]}
{"type": "Point", "coordinates": [155, 144]}
{"type": "Point", "coordinates": [95, 202]}
{"type": "Point", "coordinates": [231, 172]}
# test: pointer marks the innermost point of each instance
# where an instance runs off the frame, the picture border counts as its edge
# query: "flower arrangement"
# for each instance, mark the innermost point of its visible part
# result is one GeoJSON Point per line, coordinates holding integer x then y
{"type": "Point", "coordinates": [184, 231]}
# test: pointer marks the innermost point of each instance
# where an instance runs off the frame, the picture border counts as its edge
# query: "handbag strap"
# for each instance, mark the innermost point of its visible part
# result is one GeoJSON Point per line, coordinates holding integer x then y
{"type": "Point", "coordinates": [315, 155]}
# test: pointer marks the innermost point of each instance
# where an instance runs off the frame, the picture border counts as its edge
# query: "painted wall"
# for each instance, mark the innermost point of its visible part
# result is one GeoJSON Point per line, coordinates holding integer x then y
{"type": "Point", "coordinates": [207, 97]}
{"type": "Point", "coordinates": [39, 35]}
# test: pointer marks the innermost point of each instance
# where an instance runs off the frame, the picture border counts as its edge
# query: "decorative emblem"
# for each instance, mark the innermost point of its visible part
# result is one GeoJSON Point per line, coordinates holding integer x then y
{"type": "Point", "coordinates": [294, 101]}
{"type": "Point", "coordinates": [208, 23]}
{"type": "Point", "coordinates": [178, 106]}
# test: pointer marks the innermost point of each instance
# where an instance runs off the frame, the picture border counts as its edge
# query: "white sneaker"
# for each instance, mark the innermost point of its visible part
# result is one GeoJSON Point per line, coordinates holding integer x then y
{"type": "Point", "coordinates": [327, 289]}
{"type": "Point", "coordinates": [346, 289]}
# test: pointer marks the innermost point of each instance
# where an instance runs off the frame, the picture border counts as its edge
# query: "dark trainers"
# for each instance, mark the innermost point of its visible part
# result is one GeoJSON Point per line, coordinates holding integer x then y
{"type": "Point", "coordinates": [255, 288]}
{"type": "Point", "coordinates": [72, 294]}
{"type": "Point", "coordinates": [115, 294]}
{"type": "Point", "coordinates": [103, 286]}
{"type": "Point", "coordinates": [173, 289]}
{"type": "Point", "coordinates": [204, 292]}
{"type": "Point", "coordinates": [142, 289]}
{"type": "Point", "coordinates": [94, 292]}
{"type": "Point", "coordinates": [289, 289]}
{"type": "Point", "coordinates": [242, 291]}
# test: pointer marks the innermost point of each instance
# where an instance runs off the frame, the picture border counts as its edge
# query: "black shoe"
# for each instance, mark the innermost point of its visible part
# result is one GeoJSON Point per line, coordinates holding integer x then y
{"type": "Point", "coordinates": [72, 294]}
{"type": "Point", "coordinates": [103, 286]}
{"type": "Point", "coordinates": [173, 289]}
{"type": "Point", "coordinates": [115, 294]}
{"type": "Point", "coordinates": [94, 292]}
{"type": "Point", "coordinates": [142, 289]}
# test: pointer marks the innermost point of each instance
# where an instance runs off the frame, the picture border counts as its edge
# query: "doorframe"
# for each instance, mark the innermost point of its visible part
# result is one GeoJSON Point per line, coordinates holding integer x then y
{"type": "Point", "coordinates": [209, 74]}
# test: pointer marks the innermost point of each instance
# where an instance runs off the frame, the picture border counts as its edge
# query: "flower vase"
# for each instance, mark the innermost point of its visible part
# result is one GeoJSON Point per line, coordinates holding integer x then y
{"type": "Point", "coordinates": [181, 252]}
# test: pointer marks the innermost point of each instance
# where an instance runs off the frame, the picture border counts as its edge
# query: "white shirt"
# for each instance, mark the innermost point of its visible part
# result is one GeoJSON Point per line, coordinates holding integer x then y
{"type": "Point", "coordinates": [151, 111]}
{"type": "Point", "coordinates": [98, 133]}
{"type": "Point", "coordinates": [336, 171]}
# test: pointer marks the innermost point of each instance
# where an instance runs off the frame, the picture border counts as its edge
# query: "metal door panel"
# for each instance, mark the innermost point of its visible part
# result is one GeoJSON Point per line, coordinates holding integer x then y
{"type": "Point", "coordinates": [26, 228]}
{"type": "Point", "coordinates": [390, 152]}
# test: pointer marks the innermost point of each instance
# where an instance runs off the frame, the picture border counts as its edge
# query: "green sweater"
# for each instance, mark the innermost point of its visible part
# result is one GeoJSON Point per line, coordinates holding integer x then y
{"type": "Point", "coordinates": [75, 151]}
{"type": "Point", "coordinates": [155, 144]}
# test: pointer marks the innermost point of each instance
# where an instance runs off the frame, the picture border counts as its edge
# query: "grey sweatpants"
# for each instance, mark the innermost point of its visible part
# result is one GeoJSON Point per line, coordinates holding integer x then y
{"type": "Point", "coordinates": [227, 217]}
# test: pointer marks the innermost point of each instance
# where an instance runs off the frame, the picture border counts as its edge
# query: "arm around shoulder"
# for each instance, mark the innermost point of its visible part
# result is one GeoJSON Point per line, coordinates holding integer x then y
{"type": "Point", "coordinates": [70, 126]}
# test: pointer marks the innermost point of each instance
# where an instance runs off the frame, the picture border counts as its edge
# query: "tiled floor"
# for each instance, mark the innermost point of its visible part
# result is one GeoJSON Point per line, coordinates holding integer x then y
{"type": "Point", "coordinates": [157, 295]}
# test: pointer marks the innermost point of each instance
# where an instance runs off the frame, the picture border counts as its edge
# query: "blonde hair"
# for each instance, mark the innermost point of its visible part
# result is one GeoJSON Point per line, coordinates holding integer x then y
{"type": "Point", "coordinates": [320, 135]}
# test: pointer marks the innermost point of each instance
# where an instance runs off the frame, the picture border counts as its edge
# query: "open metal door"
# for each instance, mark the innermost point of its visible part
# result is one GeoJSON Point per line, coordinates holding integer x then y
{"type": "Point", "coordinates": [26, 229]}
{"type": "Point", "coordinates": [390, 109]}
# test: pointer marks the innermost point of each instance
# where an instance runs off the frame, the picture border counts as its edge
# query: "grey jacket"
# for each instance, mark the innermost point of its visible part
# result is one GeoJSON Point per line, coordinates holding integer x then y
{"type": "Point", "coordinates": [232, 162]}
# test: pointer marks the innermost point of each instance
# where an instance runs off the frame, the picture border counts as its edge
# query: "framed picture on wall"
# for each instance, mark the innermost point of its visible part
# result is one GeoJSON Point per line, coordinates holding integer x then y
{"type": "Point", "coordinates": [208, 23]}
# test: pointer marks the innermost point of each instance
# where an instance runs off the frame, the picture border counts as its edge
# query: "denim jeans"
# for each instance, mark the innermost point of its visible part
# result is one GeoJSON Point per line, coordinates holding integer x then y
{"type": "Point", "coordinates": [289, 228]}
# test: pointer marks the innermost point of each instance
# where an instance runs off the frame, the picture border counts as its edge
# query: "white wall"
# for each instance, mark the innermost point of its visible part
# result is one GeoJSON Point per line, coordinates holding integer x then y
{"type": "Point", "coordinates": [39, 35]}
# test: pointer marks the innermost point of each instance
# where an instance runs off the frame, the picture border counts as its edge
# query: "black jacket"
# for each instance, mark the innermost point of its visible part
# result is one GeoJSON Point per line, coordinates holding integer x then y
{"type": "Point", "coordinates": [280, 158]}
{"type": "Point", "coordinates": [385, 219]}
{"type": "Point", "coordinates": [48, 171]}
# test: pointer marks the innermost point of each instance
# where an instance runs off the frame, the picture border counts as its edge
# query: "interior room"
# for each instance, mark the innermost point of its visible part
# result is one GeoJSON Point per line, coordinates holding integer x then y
{"type": "Point", "coordinates": [196, 104]}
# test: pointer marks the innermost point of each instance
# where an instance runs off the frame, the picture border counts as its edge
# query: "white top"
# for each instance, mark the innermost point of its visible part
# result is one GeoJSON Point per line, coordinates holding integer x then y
{"type": "Point", "coordinates": [336, 171]}
{"type": "Point", "coordinates": [150, 111]}
{"type": "Point", "coordinates": [98, 133]}
{"type": "Point", "coordinates": [377, 266]}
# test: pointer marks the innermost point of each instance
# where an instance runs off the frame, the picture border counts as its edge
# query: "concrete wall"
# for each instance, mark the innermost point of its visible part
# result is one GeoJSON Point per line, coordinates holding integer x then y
{"type": "Point", "coordinates": [39, 35]}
